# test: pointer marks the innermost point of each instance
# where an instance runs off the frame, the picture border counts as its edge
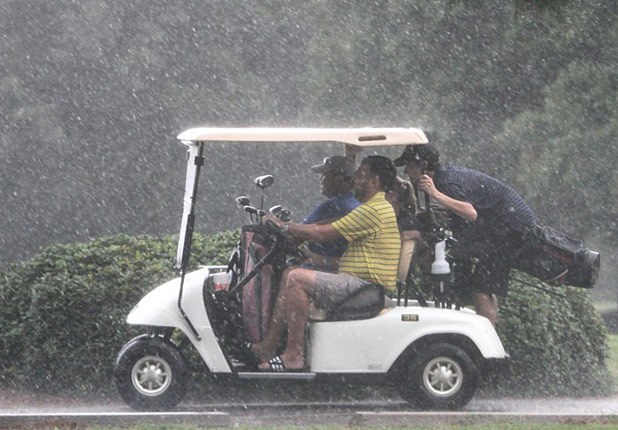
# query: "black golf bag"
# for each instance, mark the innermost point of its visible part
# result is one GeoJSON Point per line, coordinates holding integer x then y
{"type": "Point", "coordinates": [557, 259]}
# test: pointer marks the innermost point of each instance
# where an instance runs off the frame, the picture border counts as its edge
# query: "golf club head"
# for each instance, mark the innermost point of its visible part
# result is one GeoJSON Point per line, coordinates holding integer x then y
{"type": "Point", "coordinates": [250, 209]}
{"type": "Point", "coordinates": [264, 181]}
{"type": "Point", "coordinates": [242, 201]}
{"type": "Point", "coordinates": [275, 210]}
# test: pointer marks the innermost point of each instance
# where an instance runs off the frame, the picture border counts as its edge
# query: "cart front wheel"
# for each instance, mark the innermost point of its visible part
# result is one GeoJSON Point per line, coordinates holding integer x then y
{"type": "Point", "coordinates": [151, 374]}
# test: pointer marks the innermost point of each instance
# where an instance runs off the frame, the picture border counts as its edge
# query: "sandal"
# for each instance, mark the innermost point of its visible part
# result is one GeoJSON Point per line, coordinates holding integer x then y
{"type": "Point", "coordinates": [276, 365]}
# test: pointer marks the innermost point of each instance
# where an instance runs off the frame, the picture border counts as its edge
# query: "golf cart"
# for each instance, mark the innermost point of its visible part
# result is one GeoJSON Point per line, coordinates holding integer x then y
{"type": "Point", "coordinates": [436, 354]}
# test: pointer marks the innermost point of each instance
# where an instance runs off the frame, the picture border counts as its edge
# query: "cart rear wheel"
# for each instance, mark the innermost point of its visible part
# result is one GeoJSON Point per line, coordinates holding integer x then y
{"type": "Point", "coordinates": [151, 374]}
{"type": "Point", "coordinates": [442, 376]}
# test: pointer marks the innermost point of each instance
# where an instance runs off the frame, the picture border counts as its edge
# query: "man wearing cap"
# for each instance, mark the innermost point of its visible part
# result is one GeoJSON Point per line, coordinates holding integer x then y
{"type": "Point", "coordinates": [336, 183]}
{"type": "Point", "coordinates": [488, 221]}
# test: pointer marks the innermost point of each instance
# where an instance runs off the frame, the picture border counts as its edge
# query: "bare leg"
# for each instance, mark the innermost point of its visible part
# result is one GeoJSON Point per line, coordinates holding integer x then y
{"type": "Point", "coordinates": [300, 286]}
{"type": "Point", "coordinates": [486, 305]}
{"type": "Point", "coordinates": [267, 348]}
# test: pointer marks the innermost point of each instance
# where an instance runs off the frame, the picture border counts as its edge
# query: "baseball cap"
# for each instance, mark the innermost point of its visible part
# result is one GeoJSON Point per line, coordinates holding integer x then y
{"type": "Point", "coordinates": [426, 152]}
{"type": "Point", "coordinates": [337, 164]}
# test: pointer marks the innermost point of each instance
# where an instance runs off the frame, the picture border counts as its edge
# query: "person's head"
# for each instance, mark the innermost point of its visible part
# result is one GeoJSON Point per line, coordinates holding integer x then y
{"type": "Point", "coordinates": [375, 173]}
{"type": "Point", "coordinates": [401, 196]}
{"type": "Point", "coordinates": [419, 160]}
{"type": "Point", "coordinates": [336, 175]}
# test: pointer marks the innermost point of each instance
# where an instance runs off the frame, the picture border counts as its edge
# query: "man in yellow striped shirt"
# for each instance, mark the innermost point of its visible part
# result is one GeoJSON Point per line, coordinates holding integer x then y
{"type": "Point", "coordinates": [368, 265]}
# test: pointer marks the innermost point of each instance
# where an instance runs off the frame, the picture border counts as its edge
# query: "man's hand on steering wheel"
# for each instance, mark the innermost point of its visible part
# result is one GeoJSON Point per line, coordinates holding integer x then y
{"type": "Point", "coordinates": [280, 228]}
{"type": "Point", "coordinates": [268, 218]}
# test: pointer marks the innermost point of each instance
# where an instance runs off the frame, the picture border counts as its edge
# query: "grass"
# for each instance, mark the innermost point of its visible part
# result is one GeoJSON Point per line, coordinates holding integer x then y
{"type": "Point", "coordinates": [501, 426]}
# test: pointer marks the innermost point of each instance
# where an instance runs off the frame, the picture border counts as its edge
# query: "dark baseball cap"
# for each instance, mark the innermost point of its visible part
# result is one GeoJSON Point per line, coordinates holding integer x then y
{"type": "Point", "coordinates": [426, 152]}
{"type": "Point", "coordinates": [337, 164]}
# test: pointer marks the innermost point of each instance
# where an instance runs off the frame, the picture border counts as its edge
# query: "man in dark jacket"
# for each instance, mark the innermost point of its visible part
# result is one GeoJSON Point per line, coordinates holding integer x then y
{"type": "Point", "coordinates": [488, 220]}
{"type": "Point", "coordinates": [336, 181]}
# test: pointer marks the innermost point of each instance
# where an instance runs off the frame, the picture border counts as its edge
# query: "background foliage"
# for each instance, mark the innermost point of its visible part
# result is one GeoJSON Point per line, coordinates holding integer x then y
{"type": "Point", "coordinates": [93, 93]}
{"type": "Point", "coordinates": [558, 345]}
{"type": "Point", "coordinates": [62, 319]}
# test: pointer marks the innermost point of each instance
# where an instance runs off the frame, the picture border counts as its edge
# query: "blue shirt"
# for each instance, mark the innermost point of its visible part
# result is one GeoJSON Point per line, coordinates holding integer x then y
{"type": "Point", "coordinates": [331, 209]}
{"type": "Point", "coordinates": [498, 206]}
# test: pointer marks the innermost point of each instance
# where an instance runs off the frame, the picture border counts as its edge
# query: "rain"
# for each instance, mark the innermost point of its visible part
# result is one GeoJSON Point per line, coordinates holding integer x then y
{"type": "Point", "coordinates": [94, 92]}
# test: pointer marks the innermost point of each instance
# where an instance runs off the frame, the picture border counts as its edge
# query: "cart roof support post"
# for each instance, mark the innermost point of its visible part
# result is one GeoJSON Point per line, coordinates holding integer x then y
{"type": "Point", "coordinates": [195, 160]}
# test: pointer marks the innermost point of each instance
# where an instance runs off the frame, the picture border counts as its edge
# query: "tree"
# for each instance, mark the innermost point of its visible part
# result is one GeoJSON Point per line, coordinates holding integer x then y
{"type": "Point", "coordinates": [566, 152]}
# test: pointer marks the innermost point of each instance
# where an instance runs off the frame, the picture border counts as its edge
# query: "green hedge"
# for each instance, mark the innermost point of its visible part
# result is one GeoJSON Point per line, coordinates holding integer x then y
{"type": "Point", "coordinates": [62, 319]}
{"type": "Point", "coordinates": [62, 312]}
{"type": "Point", "coordinates": [558, 345]}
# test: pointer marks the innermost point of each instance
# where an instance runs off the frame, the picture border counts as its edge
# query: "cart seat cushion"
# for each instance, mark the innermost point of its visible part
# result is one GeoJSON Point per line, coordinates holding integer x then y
{"type": "Point", "coordinates": [365, 304]}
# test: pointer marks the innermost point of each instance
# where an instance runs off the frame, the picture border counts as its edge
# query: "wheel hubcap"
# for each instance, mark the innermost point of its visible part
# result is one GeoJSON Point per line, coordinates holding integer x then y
{"type": "Point", "coordinates": [151, 375]}
{"type": "Point", "coordinates": [442, 376]}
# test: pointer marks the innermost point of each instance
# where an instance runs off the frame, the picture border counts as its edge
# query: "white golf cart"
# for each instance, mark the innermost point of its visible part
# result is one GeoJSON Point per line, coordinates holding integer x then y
{"type": "Point", "coordinates": [436, 355]}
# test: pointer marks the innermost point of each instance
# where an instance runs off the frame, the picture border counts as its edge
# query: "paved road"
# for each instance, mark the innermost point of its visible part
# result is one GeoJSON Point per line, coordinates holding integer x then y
{"type": "Point", "coordinates": [38, 412]}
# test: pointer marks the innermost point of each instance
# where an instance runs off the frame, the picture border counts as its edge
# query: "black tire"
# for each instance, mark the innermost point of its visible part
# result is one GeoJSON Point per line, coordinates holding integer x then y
{"type": "Point", "coordinates": [151, 374]}
{"type": "Point", "coordinates": [441, 376]}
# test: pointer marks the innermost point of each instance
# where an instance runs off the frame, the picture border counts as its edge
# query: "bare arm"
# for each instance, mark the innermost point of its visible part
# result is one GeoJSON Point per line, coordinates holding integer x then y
{"type": "Point", "coordinates": [458, 207]}
{"type": "Point", "coordinates": [312, 232]}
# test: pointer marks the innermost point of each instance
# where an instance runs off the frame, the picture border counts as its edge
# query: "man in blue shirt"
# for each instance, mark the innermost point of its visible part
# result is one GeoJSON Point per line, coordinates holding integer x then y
{"type": "Point", "coordinates": [336, 182]}
{"type": "Point", "coordinates": [488, 220]}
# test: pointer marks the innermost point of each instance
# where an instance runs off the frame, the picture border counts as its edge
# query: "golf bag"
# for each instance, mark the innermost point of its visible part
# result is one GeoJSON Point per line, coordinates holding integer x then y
{"type": "Point", "coordinates": [557, 259]}
{"type": "Point", "coordinates": [258, 260]}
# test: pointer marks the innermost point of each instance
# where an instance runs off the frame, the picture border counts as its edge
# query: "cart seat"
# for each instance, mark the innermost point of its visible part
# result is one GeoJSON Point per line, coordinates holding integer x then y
{"type": "Point", "coordinates": [405, 259]}
{"type": "Point", "coordinates": [349, 310]}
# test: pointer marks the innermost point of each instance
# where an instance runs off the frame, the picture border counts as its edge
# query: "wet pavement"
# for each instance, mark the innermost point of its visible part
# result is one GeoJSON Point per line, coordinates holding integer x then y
{"type": "Point", "coordinates": [45, 411]}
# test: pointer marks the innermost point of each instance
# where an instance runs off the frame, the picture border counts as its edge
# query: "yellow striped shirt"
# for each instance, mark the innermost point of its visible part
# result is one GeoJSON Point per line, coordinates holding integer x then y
{"type": "Point", "coordinates": [373, 242]}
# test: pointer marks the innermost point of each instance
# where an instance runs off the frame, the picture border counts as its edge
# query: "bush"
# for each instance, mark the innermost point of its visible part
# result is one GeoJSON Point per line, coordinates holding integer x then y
{"type": "Point", "coordinates": [62, 319]}
{"type": "Point", "coordinates": [62, 313]}
{"type": "Point", "coordinates": [558, 345]}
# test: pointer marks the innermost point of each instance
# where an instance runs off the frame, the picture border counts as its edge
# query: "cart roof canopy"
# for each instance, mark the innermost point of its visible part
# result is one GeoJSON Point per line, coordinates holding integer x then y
{"type": "Point", "coordinates": [367, 136]}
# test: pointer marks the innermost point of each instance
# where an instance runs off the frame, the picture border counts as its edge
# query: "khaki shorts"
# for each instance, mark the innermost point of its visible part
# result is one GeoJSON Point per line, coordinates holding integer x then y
{"type": "Point", "coordinates": [332, 289]}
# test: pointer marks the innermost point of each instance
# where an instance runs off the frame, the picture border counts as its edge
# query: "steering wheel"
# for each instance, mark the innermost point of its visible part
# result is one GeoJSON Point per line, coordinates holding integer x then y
{"type": "Point", "coordinates": [288, 247]}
